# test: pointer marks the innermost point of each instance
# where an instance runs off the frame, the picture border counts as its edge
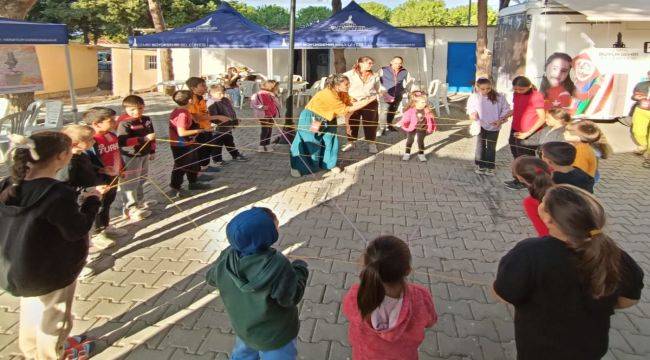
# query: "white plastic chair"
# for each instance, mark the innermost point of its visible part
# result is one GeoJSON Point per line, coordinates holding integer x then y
{"type": "Point", "coordinates": [437, 94]}
{"type": "Point", "coordinates": [303, 93]}
{"type": "Point", "coordinates": [53, 117]}
{"type": "Point", "coordinates": [247, 89]}
{"type": "Point", "coordinates": [4, 107]}
{"type": "Point", "coordinates": [11, 124]}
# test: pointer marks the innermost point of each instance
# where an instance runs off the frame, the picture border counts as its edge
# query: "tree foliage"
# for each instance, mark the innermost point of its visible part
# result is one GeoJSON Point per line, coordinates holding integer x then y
{"type": "Point", "coordinates": [458, 15]}
{"type": "Point", "coordinates": [272, 17]}
{"type": "Point", "coordinates": [311, 15]}
{"type": "Point", "coordinates": [419, 13]}
{"type": "Point", "coordinates": [378, 10]}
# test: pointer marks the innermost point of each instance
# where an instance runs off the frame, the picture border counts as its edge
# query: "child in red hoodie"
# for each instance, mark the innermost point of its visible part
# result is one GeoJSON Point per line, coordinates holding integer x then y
{"type": "Point", "coordinates": [266, 106]}
{"type": "Point", "coordinates": [387, 315]}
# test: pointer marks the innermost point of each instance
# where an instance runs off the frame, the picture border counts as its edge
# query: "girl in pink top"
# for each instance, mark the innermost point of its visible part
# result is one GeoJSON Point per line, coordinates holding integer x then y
{"type": "Point", "coordinates": [537, 176]}
{"type": "Point", "coordinates": [387, 316]}
{"type": "Point", "coordinates": [417, 121]}
{"type": "Point", "coordinates": [266, 107]}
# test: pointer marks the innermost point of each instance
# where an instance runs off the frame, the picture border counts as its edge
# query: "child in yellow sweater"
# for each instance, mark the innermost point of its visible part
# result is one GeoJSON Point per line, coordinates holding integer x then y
{"type": "Point", "coordinates": [590, 144]}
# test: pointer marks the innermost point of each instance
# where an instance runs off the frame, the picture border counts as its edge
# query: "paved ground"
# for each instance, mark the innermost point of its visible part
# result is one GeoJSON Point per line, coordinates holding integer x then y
{"type": "Point", "coordinates": [149, 300]}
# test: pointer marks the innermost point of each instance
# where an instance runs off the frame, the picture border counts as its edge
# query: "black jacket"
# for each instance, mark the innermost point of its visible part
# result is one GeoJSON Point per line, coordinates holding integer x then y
{"type": "Point", "coordinates": [43, 237]}
{"type": "Point", "coordinates": [81, 172]}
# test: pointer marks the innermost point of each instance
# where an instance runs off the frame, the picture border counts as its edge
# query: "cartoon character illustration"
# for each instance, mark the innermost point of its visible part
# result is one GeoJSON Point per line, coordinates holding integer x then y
{"type": "Point", "coordinates": [588, 79]}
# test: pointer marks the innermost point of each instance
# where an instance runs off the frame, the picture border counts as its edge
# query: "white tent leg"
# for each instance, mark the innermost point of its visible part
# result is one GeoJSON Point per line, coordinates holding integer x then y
{"type": "Point", "coordinates": [426, 68]}
{"type": "Point", "coordinates": [130, 70]}
{"type": "Point", "coordinates": [73, 95]}
{"type": "Point", "coordinates": [269, 64]}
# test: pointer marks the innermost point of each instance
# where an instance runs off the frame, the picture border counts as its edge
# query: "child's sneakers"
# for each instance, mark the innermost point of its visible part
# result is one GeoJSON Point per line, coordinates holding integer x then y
{"type": "Point", "coordinates": [406, 157]}
{"type": "Point", "coordinates": [241, 158]}
{"type": "Point", "coordinates": [347, 147]}
{"type": "Point", "coordinates": [137, 214]}
{"type": "Point", "coordinates": [422, 158]}
{"type": "Point", "coordinates": [372, 148]}
{"type": "Point", "coordinates": [489, 172]}
{"type": "Point", "coordinates": [261, 148]}
{"type": "Point", "coordinates": [295, 173]}
{"type": "Point", "coordinates": [268, 148]}
{"type": "Point", "coordinates": [147, 204]}
{"type": "Point", "coordinates": [479, 170]}
{"type": "Point", "coordinates": [102, 241]}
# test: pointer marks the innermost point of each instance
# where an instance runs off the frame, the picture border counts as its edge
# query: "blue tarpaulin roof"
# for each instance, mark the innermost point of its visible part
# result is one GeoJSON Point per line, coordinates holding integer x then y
{"type": "Point", "coordinates": [25, 32]}
{"type": "Point", "coordinates": [352, 27]}
{"type": "Point", "coordinates": [224, 28]}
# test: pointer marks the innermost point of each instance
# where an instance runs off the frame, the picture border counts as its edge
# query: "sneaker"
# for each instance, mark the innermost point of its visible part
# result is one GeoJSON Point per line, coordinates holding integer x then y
{"type": "Point", "coordinates": [347, 147]}
{"type": "Point", "coordinates": [372, 148]}
{"type": "Point", "coordinates": [514, 185]}
{"type": "Point", "coordinates": [204, 178]}
{"type": "Point", "coordinates": [336, 170]}
{"type": "Point", "coordinates": [211, 169]}
{"type": "Point", "coordinates": [136, 214]}
{"type": "Point", "coordinates": [422, 158]}
{"type": "Point", "coordinates": [380, 132]}
{"type": "Point", "coordinates": [241, 158]}
{"type": "Point", "coordinates": [174, 193]}
{"type": "Point", "coordinates": [221, 163]}
{"type": "Point", "coordinates": [406, 157]}
{"type": "Point", "coordinates": [295, 173]}
{"type": "Point", "coordinates": [489, 172]}
{"type": "Point", "coordinates": [113, 232]}
{"type": "Point", "coordinates": [639, 151]}
{"type": "Point", "coordinates": [78, 348]}
{"type": "Point", "coordinates": [86, 272]}
{"type": "Point", "coordinates": [479, 170]}
{"type": "Point", "coordinates": [261, 149]}
{"type": "Point", "coordinates": [199, 186]}
{"type": "Point", "coordinates": [392, 128]}
{"type": "Point", "coordinates": [268, 148]}
{"type": "Point", "coordinates": [147, 204]}
{"type": "Point", "coordinates": [101, 241]}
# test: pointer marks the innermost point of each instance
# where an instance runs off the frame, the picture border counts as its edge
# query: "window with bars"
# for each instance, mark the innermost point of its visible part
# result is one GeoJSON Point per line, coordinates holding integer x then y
{"type": "Point", "coordinates": [150, 62]}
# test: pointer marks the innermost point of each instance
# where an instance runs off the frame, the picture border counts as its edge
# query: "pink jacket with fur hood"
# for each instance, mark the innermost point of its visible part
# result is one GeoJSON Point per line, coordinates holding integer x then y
{"type": "Point", "coordinates": [400, 342]}
{"type": "Point", "coordinates": [409, 120]}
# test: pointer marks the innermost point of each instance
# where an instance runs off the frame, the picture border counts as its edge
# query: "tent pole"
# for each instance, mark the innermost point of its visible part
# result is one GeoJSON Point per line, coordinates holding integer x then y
{"type": "Point", "coordinates": [424, 66]}
{"type": "Point", "coordinates": [292, 31]}
{"type": "Point", "coordinates": [269, 64]}
{"type": "Point", "coordinates": [73, 97]}
{"type": "Point", "coordinates": [130, 70]}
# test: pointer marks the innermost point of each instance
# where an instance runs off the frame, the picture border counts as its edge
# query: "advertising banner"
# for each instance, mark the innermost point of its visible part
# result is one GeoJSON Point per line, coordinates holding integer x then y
{"type": "Point", "coordinates": [19, 70]}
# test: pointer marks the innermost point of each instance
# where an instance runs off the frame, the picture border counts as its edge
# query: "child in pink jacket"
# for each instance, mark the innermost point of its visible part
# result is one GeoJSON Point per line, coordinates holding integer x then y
{"type": "Point", "coordinates": [266, 107]}
{"type": "Point", "coordinates": [387, 315]}
{"type": "Point", "coordinates": [417, 121]}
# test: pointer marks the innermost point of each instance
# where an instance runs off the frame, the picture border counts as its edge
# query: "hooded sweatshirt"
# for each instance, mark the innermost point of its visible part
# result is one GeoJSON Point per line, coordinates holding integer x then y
{"type": "Point", "coordinates": [399, 342]}
{"type": "Point", "coordinates": [259, 287]}
{"type": "Point", "coordinates": [43, 236]}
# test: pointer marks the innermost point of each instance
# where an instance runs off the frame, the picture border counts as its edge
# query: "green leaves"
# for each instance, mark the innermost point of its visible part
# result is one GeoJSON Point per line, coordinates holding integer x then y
{"type": "Point", "coordinates": [312, 14]}
{"type": "Point", "coordinates": [378, 10]}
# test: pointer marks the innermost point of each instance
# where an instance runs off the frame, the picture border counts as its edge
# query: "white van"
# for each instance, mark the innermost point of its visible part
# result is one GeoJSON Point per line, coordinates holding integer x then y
{"type": "Point", "coordinates": [605, 65]}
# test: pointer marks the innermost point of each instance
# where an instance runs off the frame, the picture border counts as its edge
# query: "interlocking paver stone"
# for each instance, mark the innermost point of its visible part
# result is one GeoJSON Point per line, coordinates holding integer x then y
{"type": "Point", "coordinates": [148, 298]}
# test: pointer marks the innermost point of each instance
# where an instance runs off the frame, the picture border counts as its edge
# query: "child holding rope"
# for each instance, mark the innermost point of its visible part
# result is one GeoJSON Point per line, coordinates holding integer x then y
{"type": "Point", "coordinates": [106, 153]}
{"type": "Point", "coordinates": [590, 144]}
{"type": "Point", "coordinates": [44, 242]}
{"type": "Point", "coordinates": [219, 104]}
{"type": "Point", "coordinates": [266, 106]}
{"type": "Point", "coordinates": [260, 288]}
{"type": "Point", "coordinates": [387, 315]}
{"type": "Point", "coordinates": [417, 121]}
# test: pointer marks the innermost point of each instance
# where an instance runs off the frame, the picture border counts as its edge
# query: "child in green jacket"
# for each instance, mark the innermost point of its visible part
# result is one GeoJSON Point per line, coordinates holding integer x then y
{"type": "Point", "coordinates": [259, 287]}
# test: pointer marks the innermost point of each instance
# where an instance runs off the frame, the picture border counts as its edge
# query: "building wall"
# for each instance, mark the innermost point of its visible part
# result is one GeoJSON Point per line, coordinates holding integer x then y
{"type": "Point", "coordinates": [51, 59]}
{"type": "Point", "coordinates": [143, 79]}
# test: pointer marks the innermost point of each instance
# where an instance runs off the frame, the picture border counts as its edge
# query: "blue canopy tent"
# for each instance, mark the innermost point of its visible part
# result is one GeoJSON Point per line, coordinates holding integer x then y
{"type": "Point", "coordinates": [18, 32]}
{"type": "Point", "coordinates": [352, 27]}
{"type": "Point", "coordinates": [223, 28]}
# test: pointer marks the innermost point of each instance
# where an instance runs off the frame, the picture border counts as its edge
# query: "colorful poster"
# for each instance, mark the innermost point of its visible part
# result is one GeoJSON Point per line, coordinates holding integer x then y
{"type": "Point", "coordinates": [19, 70]}
{"type": "Point", "coordinates": [597, 83]}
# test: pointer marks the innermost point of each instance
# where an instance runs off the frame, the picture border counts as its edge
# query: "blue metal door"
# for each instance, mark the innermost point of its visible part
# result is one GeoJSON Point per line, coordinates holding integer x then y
{"type": "Point", "coordinates": [461, 66]}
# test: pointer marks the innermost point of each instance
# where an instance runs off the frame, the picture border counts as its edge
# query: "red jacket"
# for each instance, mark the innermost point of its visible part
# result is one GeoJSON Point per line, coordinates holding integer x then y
{"type": "Point", "coordinates": [399, 342]}
{"type": "Point", "coordinates": [108, 150]}
{"type": "Point", "coordinates": [530, 207]}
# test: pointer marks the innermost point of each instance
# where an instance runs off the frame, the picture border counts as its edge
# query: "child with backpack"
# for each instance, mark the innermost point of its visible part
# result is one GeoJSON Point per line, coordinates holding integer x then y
{"type": "Point", "coordinates": [43, 241]}
{"type": "Point", "coordinates": [417, 121]}
{"type": "Point", "coordinates": [387, 314]}
{"type": "Point", "coordinates": [260, 288]}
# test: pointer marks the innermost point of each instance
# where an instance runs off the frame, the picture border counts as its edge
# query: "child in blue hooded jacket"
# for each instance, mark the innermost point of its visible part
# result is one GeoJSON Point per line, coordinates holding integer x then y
{"type": "Point", "coordinates": [259, 287]}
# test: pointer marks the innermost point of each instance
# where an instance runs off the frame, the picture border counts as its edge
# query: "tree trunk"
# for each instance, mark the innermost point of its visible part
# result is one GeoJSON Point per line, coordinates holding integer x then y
{"type": "Point", "coordinates": [482, 52]}
{"type": "Point", "coordinates": [166, 65]}
{"type": "Point", "coordinates": [17, 9]}
{"type": "Point", "coordinates": [339, 55]}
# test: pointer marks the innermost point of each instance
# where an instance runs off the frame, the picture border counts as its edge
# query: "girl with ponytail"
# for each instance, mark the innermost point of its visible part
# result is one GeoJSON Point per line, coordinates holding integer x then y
{"type": "Point", "coordinates": [565, 286]}
{"type": "Point", "coordinates": [43, 241]}
{"type": "Point", "coordinates": [538, 177]}
{"type": "Point", "coordinates": [387, 315]}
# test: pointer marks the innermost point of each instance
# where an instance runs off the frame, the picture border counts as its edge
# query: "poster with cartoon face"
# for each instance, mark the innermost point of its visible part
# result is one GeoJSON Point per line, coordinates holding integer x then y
{"type": "Point", "coordinates": [597, 83]}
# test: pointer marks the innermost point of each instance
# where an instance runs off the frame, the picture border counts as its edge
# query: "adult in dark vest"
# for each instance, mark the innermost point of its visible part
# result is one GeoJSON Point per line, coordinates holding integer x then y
{"type": "Point", "coordinates": [395, 80]}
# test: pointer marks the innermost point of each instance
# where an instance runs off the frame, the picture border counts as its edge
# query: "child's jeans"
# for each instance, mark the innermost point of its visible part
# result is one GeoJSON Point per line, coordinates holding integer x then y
{"type": "Point", "coordinates": [241, 351]}
{"type": "Point", "coordinates": [132, 190]}
{"type": "Point", "coordinates": [235, 96]}
{"type": "Point", "coordinates": [410, 137]}
{"type": "Point", "coordinates": [266, 131]}
{"type": "Point", "coordinates": [45, 323]}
